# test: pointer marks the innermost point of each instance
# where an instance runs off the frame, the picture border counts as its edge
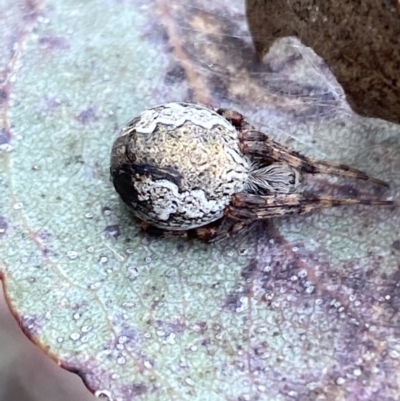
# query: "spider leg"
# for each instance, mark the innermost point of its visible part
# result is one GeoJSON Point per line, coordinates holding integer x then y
{"type": "Point", "coordinates": [234, 117]}
{"type": "Point", "coordinates": [223, 228]}
{"type": "Point", "coordinates": [258, 144]}
{"type": "Point", "coordinates": [214, 232]}
{"type": "Point", "coordinates": [157, 232]}
{"type": "Point", "coordinates": [245, 206]}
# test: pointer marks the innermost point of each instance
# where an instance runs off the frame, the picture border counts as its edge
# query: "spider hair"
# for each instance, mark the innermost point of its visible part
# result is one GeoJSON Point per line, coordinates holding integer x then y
{"type": "Point", "coordinates": [276, 178]}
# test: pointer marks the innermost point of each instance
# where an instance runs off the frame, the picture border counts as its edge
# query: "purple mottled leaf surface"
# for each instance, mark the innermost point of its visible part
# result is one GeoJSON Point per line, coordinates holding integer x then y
{"type": "Point", "coordinates": [303, 308]}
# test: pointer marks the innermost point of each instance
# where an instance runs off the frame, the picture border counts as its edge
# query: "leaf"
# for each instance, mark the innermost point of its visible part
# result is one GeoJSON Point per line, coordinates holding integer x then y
{"type": "Point", "coordinates": [298, 308]}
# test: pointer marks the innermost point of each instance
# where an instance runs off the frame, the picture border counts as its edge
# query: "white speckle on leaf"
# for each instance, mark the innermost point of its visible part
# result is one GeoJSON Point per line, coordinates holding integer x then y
{"type": "Point", "coordinates": [171, 338]}
{"type": "Point", "coordinates": [72, 255]}
{"type": "Point", "coordinates": [103, 395]}
{"type": "Point", "coordinates": [103, 260]}
{"type": "Point", "coordinates": [89, 215]}
{"type": "Point", "coordinates": [269, 296]}
{"type": "Point", "coordinates": [122, 339]}
{"type": "Point", "coordinates": [60, 339]}
{"type": "Point", "coordinates": [183, 363]}
{"type": "Point", "coordinates": [310, 289]}
{"type": "Point", "coordinates": [95, 286]}
{"type": "Point", "coordinates": [6, 147]}
{"type": "Point", "coordinates": [76, 316]}
{"type": "Point", "coordinates": [357, 372]}
{"type": "Point", "coordinates": [43, 20]}
{"type": "Point", "coordinates": [148, 365]}
{"type": "Point", "coordinates": [244, 304]}
{"type": "Point", "coordinates": [189, 381]}
{"type": "Point", "coordinates": [18, 206]}
{"type": "Point", "coordinates": [133, 272]}
{"type": "Point", "coordinates": [75, 336]}
{"type": "Point", "coordinates": [121, 360]}
{"type": "Point", "coordinates": [65, 303]}
{"type": "Point", "coordinates": [292, 394]}
{"type": "Point", "coordinates": [193, 348]}
{"type": "Point", "coordinates": [160, 333]}
{"type": "Point", "coordinates": [340, 381]}
{"type": "Point", "coordinates": [302, 273]}
{"type": "Point", "coordinates": [128, 305]}
{"type": "Point", "coordinates": [86, 329]}
{"type": "Point", "coordinates": [313, 385]}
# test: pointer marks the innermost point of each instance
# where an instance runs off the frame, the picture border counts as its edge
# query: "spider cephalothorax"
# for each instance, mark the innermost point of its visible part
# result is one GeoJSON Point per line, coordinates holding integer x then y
{"type": "Point", "coordinates": [181, 166]}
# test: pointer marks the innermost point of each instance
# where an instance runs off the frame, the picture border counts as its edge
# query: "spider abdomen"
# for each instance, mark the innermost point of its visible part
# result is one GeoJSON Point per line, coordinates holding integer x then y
{"type": "Point", "coordinates": [178, 165]}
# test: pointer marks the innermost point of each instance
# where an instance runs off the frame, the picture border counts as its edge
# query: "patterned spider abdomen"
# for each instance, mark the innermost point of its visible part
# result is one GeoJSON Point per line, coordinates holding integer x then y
{"type": "Point", "coordinates": [177, 166]}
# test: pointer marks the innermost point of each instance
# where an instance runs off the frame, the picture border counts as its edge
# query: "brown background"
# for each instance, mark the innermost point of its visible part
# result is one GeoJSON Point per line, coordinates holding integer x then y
{"type": "Point", "coordinates": [358, 39]}
{"type": "Point", "coordinates": [26, 373]}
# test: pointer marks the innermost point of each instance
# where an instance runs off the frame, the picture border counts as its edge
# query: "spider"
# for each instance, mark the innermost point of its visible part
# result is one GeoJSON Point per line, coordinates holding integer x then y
{"type": "Point", "coordinates": [187, 170]}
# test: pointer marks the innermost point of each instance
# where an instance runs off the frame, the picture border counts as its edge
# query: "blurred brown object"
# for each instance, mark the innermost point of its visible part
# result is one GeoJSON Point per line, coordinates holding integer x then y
{"type": "Point", "coordinates": [358, 39]}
